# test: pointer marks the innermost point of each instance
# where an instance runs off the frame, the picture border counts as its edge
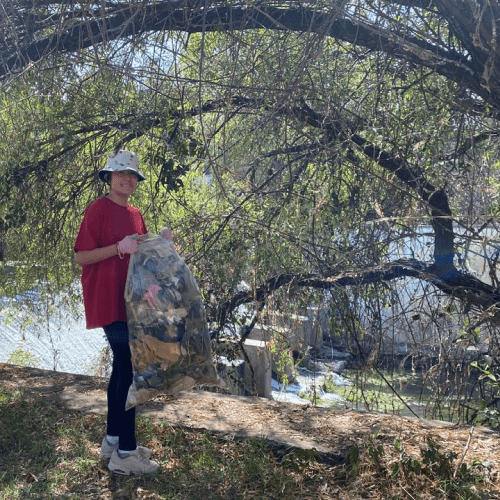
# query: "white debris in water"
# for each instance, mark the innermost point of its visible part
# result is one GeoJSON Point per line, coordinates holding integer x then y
{"type": "Point", "coordinates": [306, 384]}
{"type": "Point", "coordinates": [337, 379]}
{"type": "Point", "coordinates": [332, 397]}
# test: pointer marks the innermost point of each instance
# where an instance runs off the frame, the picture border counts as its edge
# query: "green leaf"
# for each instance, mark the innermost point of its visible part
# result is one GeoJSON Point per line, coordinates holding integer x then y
{"type": "Point", "coordinates": [398, 445]}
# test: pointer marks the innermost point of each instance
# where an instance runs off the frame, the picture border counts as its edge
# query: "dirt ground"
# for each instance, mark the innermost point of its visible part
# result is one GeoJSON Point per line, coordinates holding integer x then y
{"type": "Point", "coordinates": [331, 432]}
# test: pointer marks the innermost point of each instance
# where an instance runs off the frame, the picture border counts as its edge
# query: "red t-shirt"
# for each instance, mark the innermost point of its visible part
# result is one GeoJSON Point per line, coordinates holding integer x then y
{"type": "Point", "coordinates": [106, 223]}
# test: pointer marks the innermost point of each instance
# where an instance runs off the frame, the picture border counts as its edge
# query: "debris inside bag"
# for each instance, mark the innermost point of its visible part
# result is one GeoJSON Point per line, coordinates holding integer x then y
{"type": "Point", "coordinates": [168, 331]}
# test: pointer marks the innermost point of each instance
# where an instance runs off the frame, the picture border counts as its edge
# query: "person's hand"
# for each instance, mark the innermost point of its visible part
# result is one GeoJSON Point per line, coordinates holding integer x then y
{"type": "Point", "coordinates": [127, 245]}
{"type": "Point", "coordinates": [166, 234]}
{"type": "Point", "coordinates": [150, 296]}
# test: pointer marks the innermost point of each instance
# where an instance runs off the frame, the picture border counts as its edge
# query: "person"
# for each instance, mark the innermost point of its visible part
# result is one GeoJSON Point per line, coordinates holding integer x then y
{"type": "Point", "coordinates": [107, 236]}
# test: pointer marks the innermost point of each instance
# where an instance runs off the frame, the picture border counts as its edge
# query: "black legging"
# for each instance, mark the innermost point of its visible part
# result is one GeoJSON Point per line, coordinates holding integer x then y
{"type": "Point", "coordinates": [120, 423]}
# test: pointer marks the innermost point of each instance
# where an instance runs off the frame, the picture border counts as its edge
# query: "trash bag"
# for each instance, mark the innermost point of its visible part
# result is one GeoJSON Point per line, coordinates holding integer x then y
{"type": "Point", "coordinates": [168, 331]}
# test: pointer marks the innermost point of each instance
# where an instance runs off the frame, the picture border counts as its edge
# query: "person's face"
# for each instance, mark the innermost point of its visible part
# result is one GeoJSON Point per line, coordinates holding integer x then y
{"type": "Point", "coordinates": [124, 182]}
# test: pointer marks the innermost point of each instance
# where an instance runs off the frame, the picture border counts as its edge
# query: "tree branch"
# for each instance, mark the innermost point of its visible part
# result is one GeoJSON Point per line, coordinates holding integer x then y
{"type": "Point", "coordinates": [80, 29]}
{"type": "Point", "coordinates": [465, 287]}
{"type": "Point", "coordinates": [436, 198]}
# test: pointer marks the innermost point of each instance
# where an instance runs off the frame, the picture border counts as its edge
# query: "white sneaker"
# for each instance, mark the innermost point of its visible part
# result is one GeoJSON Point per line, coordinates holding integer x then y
{"type": "Point", "coordinates": [135, 463]}
{"type": "Point", "coordinates": [108, 449]}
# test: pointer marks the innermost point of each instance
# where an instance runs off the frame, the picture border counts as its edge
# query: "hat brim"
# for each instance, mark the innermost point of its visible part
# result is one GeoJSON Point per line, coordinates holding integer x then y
{"type": "Point", "coordinates": [105, 171]}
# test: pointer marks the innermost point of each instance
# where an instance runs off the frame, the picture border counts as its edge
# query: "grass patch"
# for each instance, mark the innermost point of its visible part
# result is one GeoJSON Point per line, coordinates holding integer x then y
{"type": "Point", "coordinates": [49, 452]}
{"type": "Point", "coordinates": [435, 474]}
{"type": "Point", "coordinates": [370, 392]}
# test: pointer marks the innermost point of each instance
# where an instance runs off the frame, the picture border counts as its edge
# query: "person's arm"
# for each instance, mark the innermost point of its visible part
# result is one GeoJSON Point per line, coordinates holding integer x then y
{"type": "Point", "coordinates": [86, 257]}
{"type": "Point", "coordinates": [127, 245]}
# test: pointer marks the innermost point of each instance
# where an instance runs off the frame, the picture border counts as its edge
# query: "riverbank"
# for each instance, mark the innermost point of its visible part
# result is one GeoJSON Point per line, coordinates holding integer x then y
{"type": "Point", "coordinates": [330, 438]}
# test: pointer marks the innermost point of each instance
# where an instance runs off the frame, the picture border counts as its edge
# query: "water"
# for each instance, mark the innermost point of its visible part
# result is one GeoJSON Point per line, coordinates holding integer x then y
{"type": "Point", "coordinates": [64, 344]}
{"type": "Point", "coordinates": [61, 343]}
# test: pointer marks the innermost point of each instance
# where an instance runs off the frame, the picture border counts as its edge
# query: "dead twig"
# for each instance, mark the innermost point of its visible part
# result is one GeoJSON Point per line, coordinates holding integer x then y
{"type": "Point", "coordinates": [457, 468]}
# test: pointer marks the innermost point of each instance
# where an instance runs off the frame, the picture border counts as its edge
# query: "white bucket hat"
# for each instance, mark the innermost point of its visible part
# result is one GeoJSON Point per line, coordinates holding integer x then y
{"type": "Point", "coordinates": [120, 161]}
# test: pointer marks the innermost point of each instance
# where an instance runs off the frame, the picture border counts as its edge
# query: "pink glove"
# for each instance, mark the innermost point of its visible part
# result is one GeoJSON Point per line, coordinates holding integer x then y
{"type": "Point", "coordinates": [166, 234]}
{"type": "Point", "coordinates": [127, 245]}
{"type": "Point", "coordinates": [150, 296]}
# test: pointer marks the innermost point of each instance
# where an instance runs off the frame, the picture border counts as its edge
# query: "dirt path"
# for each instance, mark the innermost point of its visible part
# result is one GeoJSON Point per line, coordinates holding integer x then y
{"type": "Point", "coordinates": [331, 432]}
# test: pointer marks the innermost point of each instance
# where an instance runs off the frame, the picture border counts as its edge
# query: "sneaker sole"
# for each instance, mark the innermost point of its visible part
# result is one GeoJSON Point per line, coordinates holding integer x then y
{"type": "Point", "coordinates": [126, 472]}
{"type": "Point", "coordinates": [120, 471]}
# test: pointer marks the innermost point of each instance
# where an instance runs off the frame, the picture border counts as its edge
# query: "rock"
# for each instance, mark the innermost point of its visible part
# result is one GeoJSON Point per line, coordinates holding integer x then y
{"type": "Point", "coordinates": [328, 353]}
{"type": "Point", "coordinates": [339, 366]}
{"type": "Point", "coordinates": [317, 366]}
{"type": "Point", "coordinates": [327, 366]}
